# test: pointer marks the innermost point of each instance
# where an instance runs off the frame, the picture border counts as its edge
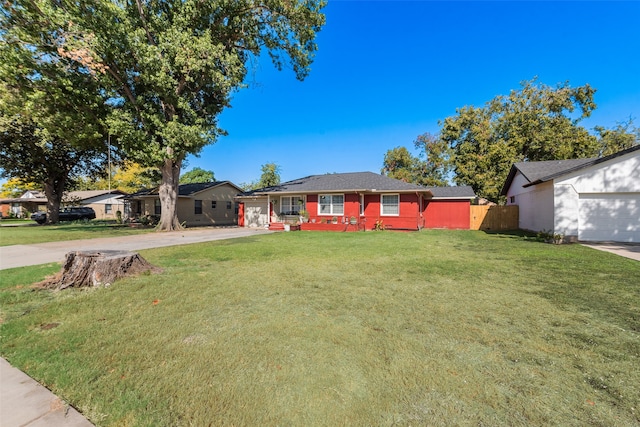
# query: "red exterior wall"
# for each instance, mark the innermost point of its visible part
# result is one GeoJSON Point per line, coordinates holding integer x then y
{"type": "Point", "coordinates": [448, 214]}
{"type": "Point", "coordinates": [409, 217]}
{"type": "Point", "coordinates": [453, 214]}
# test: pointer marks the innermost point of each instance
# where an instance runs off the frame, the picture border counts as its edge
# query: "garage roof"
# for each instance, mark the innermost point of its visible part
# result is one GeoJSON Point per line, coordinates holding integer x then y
{"type": "Point", "coordinates": [539, 172]}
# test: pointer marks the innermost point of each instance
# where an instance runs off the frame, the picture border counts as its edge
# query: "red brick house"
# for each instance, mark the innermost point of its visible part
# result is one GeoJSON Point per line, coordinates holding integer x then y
{"type": "Point", "coordinates": [355, 201]}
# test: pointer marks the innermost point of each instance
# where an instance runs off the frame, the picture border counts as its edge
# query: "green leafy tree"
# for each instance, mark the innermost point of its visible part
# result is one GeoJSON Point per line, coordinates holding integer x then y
{"type": "Point", "coordinates": [197, 175]}
{"type": "Point", "coordinates": [52, 109]}
{"type": "Point", "coordinates": [435, 169]}
{"type": "Point", "coordinates": [430, 168]}
{"type": "Point", "coordinates": [623, 136]}
{"type": "Point", "coordinates": [400, 164]}
{"type": "Point", "coordinates": [270, 176]}
{"type": "Point", "coordinates": [51, 161]}
{"type": "Point", "coordinates": [16, 187]}
{"type": "Point", "coordinates": [171, 66]}
{"type": "Point", "coordinates": [537, 122]}
{"type": "Point", "coordinates": [128, 177]}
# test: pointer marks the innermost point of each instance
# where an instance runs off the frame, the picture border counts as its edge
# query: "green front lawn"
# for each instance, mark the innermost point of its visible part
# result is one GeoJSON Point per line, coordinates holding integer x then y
{"type": "Point", "coordinates": [28, 232]}
{"type": "Point", "coordinates": [310, 328]}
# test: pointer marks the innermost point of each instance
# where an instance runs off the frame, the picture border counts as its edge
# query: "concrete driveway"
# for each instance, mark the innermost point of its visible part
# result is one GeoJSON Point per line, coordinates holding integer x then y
{"type": "Point", "coordinates": [627, 250]}
{"type": "Point", "coordinates": [42, 253]}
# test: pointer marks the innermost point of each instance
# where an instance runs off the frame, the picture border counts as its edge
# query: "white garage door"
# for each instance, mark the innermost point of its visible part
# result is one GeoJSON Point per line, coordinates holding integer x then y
{"type": "Point", "coordinates": [255, 214]}
{"type": "Point", "coordinates": [609, 217]}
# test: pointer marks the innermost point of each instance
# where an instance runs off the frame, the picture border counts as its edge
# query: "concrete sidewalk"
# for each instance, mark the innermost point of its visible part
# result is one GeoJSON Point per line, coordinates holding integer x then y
{"type": "Point", "coordinates": [42, 253]}
{"type": "Point", "coordinates": [627, 250]}
{"type": "Point", "coordinates": [24, 402]}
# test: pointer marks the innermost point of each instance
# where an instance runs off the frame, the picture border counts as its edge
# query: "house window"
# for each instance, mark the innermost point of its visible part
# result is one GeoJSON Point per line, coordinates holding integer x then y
{"type": "Point", "coordinates": [390, 204]}
{"type": "Point", "coordinates": [512, 199]}
{"type": "Point", "coordinates": [197, 204]}
{"type": "Point", "coordinates": [331, 204]}
{"type": "Point", "coordinates": [362, 205]}
{"type": "Point", "coordinates": [213, 204]}
{"type": "Point", "coordinates": [228, 205]}
{"type": "Point", "coordinates": [291, 205]}
{"type": "Point", "coordinates": [157, 207]}
{"type": "Point", "coordinates": [107, 208]}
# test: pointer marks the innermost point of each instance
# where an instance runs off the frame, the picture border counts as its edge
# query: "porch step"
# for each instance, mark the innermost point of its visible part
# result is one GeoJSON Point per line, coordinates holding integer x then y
{"type": "Point", "coordinates": [276, 226]}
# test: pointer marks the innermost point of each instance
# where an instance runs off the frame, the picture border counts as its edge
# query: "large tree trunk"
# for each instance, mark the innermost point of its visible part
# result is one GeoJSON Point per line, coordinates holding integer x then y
{"type": "Point", "coordinates": [96, 268]}
{"type": "Point", "coordinates": [168, 193]}
{"type": "Point", "coordinates": [53, 189]}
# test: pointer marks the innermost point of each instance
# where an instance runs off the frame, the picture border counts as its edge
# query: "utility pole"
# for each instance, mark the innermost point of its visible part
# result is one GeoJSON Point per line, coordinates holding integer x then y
{"type": "Point", "coordinates": [109, 157]}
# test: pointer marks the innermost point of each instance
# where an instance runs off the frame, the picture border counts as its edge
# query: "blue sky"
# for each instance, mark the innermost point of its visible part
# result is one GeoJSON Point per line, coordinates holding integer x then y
{"type": "Point", "coordinates": [388, 71]}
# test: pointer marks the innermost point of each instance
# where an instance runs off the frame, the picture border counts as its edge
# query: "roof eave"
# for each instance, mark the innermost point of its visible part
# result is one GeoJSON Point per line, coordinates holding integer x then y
{"type": "Point", "coordinates": [368, 191]}
{"type": "Point", "coordinates": [453, 198]}
{"type": "Point", "coordinates": [509, 180]}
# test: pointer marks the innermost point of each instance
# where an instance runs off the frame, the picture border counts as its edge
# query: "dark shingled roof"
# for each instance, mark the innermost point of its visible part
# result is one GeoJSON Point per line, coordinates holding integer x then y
{"type": "Point", "coordinates": [361, 182]}
{"type": "Point", "coordinates": [342, 182]}
{"type": "Point", "coordinates": [538, 172]}
{"type": "Point", "coordinates": [183, 189]}
{"type": "Point", "coordinates": [534, 171]}
{"type": "Point", "coordinates": [460, 192]}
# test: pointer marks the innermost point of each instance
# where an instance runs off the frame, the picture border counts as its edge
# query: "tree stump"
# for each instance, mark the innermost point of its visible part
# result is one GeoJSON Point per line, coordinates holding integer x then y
{"type": "Point", "coordinates": [96, 268]}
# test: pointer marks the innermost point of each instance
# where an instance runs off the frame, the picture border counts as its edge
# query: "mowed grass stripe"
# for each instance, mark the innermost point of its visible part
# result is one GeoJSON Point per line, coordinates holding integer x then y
{"type": "Point", "coordinates": [430, 328]}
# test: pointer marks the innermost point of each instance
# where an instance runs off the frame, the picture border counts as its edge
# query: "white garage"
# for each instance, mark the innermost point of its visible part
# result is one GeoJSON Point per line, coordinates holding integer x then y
{"type": "Point", "coordinates": [583, 199]}
{"type": "Point", "coordinates": [611, 217]}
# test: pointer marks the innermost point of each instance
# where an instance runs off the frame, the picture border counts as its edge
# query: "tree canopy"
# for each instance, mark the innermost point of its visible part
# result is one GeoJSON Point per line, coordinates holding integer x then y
{"type": "Point", "coordinates": [400, 164]}
{"type": "Point", "coordinates": [270, 175]}
{"type": "Point", "coordinates": [197, 175]}
{"type": "Point", "coordinates": [16, 187]}
{"type": "Point", "coordinates": [624, 135]}
{"type": "Point", "coordinates": [430, 168]}
{"type": "Point", "coordinates": [478, 145]}
{"type": "Point", "coordinates": [170, 67]}
{"type": "Point", "coordinates": [52, 111]}
{"type": "Point", "coordinates": [536, 122]}
{"type": "Point", "coordinates": [128, 177]}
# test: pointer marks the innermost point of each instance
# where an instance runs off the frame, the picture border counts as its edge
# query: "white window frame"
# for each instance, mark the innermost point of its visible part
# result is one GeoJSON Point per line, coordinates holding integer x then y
{"type": "Point", "coordinates": [290, 203]}
{"type": "Point", "coordinates": [382, 205]}
{"type": "Point", "coordinates": [362, 205]}
{"type": "Point", "coordinates": [335, 209]}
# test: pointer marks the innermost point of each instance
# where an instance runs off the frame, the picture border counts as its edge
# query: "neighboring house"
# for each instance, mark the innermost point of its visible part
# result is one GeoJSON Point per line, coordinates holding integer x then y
{"type": "Point", "coordinates": [583, 199]}
{"type": "Point", "coordinates": [356, 201]}
{"type": "Point", "coordinates": [210, 203]}
{"type": "Point", "coordinates": [21, 207]}
{"type": "Point", "coordinates": [104, 202]}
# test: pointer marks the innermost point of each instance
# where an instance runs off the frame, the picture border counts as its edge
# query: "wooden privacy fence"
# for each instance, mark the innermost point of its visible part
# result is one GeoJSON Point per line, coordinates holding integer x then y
{"type": "Point", "coordinates": [494, 218]}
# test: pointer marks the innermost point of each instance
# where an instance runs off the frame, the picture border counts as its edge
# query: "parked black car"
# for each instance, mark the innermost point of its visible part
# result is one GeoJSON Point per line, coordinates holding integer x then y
{"type": "Point", "coordinates": [67, 214]}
